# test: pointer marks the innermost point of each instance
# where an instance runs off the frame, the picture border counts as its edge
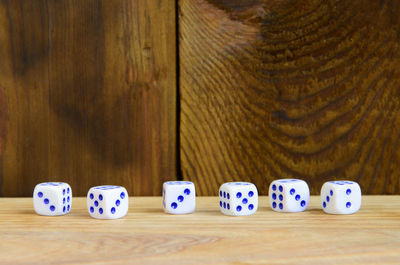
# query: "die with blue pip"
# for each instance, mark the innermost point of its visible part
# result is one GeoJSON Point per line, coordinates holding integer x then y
{"type": "Point", "coordinates": [289, 195]}
{"type": "Point", "coordinates": [341, 197]}
{"type": "Point", "coordinates": [179, 197]}
{"type": "Point", "coordinates": [107, 202]}
{"type": "Point", "coordinates": [52, 198]}
{"type": "Point", "coordinates": [238, 198]}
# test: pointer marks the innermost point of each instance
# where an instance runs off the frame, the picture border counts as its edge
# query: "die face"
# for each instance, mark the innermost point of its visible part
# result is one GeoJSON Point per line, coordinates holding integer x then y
{"type": "Point", "coordinates": [179, 197]}
{"type": "Point", "coordinates": [341, 197]}
{"type": "Point", "coordinates": [289, 195]}
{"type": "Point", "coordinates": [52, 198]}
{"type": "Point", "coordinates": [107, 202]}
{"type": "Point", "coordinates": [238, 198]}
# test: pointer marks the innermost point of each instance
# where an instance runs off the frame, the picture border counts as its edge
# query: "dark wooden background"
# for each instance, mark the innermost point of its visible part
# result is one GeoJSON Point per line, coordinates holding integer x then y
{"type": "Point", "coordinates": [138, 92]}
{"type": "Point", "coordinates": [88, 94]}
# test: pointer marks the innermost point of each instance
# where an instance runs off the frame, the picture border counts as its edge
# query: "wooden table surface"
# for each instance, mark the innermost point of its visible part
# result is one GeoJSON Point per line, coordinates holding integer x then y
{"type": "Point", "coordinates": [149, 236]}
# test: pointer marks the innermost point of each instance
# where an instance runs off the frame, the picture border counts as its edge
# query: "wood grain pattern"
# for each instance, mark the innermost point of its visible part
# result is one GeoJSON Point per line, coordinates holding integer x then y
{"type": "Point", "coordinates": [149, 236]}
{"type": "Point", "coordinates": [290, 89]}
{"type": "Point", "coordinates": [90, 88]}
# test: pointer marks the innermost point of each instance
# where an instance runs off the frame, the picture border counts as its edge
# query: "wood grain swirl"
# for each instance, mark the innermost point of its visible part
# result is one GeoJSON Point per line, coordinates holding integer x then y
{"type": "Point", "coordinates": [290, 89]}
{"type": "Point", "coordinates": [91, 87]}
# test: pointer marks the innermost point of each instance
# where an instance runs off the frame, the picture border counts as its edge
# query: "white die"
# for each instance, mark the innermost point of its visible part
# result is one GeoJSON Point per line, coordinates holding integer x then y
{"type": "Point", "coordinates": [341, 197]}
{"type": "Point", "coordinates": [179, 197]}
{"type": "Point", "coordinates": [52, 198]}
{"type": "Point", "coordinates": [238, 198]}
{"type": "Point", "coordinates": [289, 195]}
{"type": "Point", "coordinates": [107, 202]}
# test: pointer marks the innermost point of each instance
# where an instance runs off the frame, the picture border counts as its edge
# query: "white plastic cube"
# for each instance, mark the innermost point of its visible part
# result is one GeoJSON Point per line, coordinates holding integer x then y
{"type": "Point", "coordinates": [238, 198]}
{"type": "Point", "coordinates": [341, 197]}
{"type": "Point", "coordinates": [52, 198]}
{"type": "Point", "coordinates": [107, 202]}
{"type": "Point", "coordinates": [289, 195]}
{"type": "Point", "coordinates": [179, 197]}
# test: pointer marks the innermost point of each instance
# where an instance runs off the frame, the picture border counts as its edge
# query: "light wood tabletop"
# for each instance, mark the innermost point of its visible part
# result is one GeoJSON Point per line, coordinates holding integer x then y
{"type": "Point", "coordinates": [149, 236]}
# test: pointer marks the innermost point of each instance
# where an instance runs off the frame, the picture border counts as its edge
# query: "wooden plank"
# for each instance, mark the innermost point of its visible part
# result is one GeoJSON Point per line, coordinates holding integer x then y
{"type": "Point", "coordinates": [290, 89]}
{"type": "Point", "coordinates": [149, 236]}
{"type": "Point", "coordinates": [90, 88]}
